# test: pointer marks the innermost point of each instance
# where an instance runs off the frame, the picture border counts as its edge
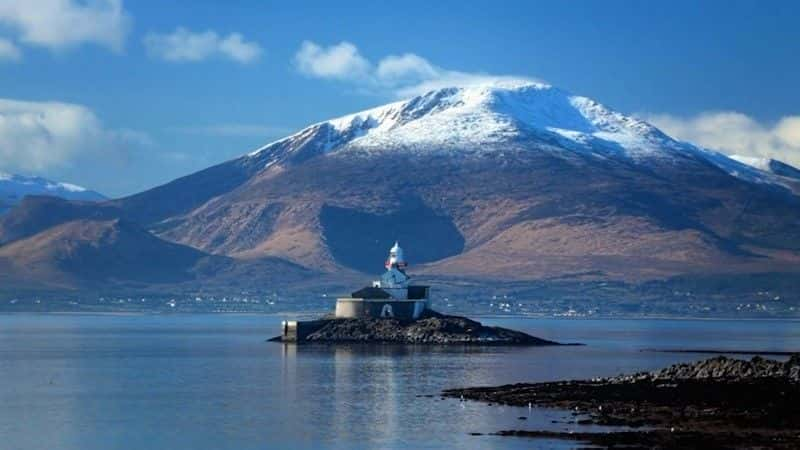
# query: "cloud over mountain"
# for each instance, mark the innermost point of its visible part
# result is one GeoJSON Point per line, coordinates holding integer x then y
{"type": "Point", "coordinates": [35, 136]}
{"type": "Point", "coordinates": [735, 133]}
{"type": "Point", "coordinates": [341, 61]}
{"type": "Point", "coordinates": [402, 75]}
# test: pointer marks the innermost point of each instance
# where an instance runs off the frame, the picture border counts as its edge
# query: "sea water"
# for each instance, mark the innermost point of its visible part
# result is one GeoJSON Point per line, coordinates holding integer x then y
{"type": "Point", "coordinates": [211, 381]}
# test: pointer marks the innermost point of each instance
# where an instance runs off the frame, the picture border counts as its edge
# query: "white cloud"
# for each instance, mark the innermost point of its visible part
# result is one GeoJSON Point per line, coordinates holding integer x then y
{"type": "Point", "coordinates": [402, 75]}
{"type": "Point", "coordinates": [341, 61]}
{"type": "Point", "coordinates": [788, 130]}
{"type": "Point", "coordinates": [734, 133]}
{"type": "Point", "coordinates": [406, 66]}
{"type": "Point", "coordinates": [235, 47]}
{"type": "Point", "coordinates": [9, 51]}
{"type": "Point", "coordinates": [60, 24]}
{"type": "Point", "coordinates": [183, 45]}
{"type": "Point", "coordinates": [35, 136]}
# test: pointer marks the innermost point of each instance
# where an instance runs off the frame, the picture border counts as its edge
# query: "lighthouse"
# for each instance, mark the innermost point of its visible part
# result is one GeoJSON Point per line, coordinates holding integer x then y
{"type": "Point", "coordinates": [392, 296]}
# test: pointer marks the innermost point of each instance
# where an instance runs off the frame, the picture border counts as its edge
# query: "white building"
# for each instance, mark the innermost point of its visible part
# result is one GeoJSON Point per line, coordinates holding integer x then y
{"type": "Point", "coordinates": [391, 296]}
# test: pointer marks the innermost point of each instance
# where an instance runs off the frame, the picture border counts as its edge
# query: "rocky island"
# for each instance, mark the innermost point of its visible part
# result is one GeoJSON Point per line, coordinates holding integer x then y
{"type": "Point", "coordinates": [430, 328]}
{"type": "Point", "coordinates": [715, 403]}
{"type": "Point", "coordinates": [392, 310]}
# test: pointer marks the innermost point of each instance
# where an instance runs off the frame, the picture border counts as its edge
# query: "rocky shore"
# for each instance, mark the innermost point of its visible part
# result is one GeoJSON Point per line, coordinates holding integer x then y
{"type": "Point", "coordinates": [431, 328]}
{"type": "Point", "coordinates": [715, 403]}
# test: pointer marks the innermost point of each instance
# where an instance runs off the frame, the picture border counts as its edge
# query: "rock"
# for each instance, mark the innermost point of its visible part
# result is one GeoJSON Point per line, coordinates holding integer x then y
{"type": "Point", "coordinates": [430, 328]}
{"type": "Point", "coordinates": [714, 403]}
{"type": "Point", "coordinates": [722, 367]}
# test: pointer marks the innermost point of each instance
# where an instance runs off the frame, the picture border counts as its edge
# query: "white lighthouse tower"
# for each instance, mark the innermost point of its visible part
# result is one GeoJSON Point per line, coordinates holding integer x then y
{"type": "Point", "coordinates": [396, 257]}
{"type": "Point", "coordinates": [395, 276]}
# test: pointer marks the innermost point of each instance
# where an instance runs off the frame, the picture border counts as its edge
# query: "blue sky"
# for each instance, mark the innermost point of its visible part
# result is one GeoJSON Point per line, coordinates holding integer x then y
{"type": "Point", "coordinates": [121, 95]}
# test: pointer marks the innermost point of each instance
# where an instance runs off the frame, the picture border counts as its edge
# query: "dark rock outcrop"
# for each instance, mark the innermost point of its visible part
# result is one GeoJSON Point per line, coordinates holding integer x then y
{"type": "Point", "coordinates": [722, 367]}
{"type": "Point", "coordinates": [715, 403]}
{"type": "Point", "coordinates": [431, 328]}
{"type": "Point", "coordinates": [665, 439]}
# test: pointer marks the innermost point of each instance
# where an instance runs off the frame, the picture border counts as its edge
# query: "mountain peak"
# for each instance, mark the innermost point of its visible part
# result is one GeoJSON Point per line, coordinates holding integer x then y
{"type": "Point", "coordinates": [478, 118]}
{"type": "Point", "coordinates": [497, 116]}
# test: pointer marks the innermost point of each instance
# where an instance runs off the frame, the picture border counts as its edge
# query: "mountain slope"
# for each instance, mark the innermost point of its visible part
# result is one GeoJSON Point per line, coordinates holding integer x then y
{"type": "Point", "coordinates": [509, 181]}
{"type": "Point", "coordinates": [479, 163]}
{"type": "Point", "coordinates": [89, 250]}
{"type": "Point", "coordinates": [441, 208]}
{"type": "Point", "coordinates": [35, 214]}
{"type": "Point", "coordinates": [107, 253]}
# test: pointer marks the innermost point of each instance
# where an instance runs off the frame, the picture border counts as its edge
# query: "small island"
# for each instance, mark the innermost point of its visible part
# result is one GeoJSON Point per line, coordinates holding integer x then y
{"type": "Point", "coordinates": [392, 310]}
{"type": "Point", "coordinates": [715, 403]}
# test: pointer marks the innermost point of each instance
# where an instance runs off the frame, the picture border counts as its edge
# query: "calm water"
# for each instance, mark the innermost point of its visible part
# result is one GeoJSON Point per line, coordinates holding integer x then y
{"type": "Point", "coordinates": [211, 382]}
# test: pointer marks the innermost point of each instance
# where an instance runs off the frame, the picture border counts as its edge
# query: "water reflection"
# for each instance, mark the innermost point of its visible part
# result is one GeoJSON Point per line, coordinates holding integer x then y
{"type": "Point", "coordinates": [211, 382]}
{"type": "Point", "coordinates": [388, 395]}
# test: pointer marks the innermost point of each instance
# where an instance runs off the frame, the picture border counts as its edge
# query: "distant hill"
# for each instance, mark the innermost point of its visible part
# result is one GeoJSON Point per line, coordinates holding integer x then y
{"type": "Point", "coordinates": [13, 188]}
{"type": "Point", "coordinates": [97, 253]}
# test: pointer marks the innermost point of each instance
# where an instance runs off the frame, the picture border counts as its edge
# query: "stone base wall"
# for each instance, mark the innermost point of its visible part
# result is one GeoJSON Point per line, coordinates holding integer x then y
{"type": "Point", "coordinates": [294, 331]}
{"type": "Point", "coordinates": [351, 308]}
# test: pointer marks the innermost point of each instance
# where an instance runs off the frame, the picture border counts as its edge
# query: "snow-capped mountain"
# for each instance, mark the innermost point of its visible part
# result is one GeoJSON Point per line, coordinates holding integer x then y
{"type": "Point", "coordinates": [496, 117]}
{"type": "Point", "coordinates": [502, 181]}
{"type": "Point", "coordinates": [14, 187]}
{"type": "Point", "coordinates": [473, 118]}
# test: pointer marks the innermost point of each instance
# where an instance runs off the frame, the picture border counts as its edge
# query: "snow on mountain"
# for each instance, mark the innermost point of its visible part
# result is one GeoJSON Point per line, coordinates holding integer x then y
{"type": "Point", "coordinates": [475, 117]}
{"type": "Point", "coordinates": [494, 117]}
{"type": "Point", "coordinates": [753, 161]}
{"type": "Point", "coordinates": [770, 165]}
{"type": "Point", "coordinates": [751, 169]}
{"type": "Point", "coordinates": [14, 187]}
